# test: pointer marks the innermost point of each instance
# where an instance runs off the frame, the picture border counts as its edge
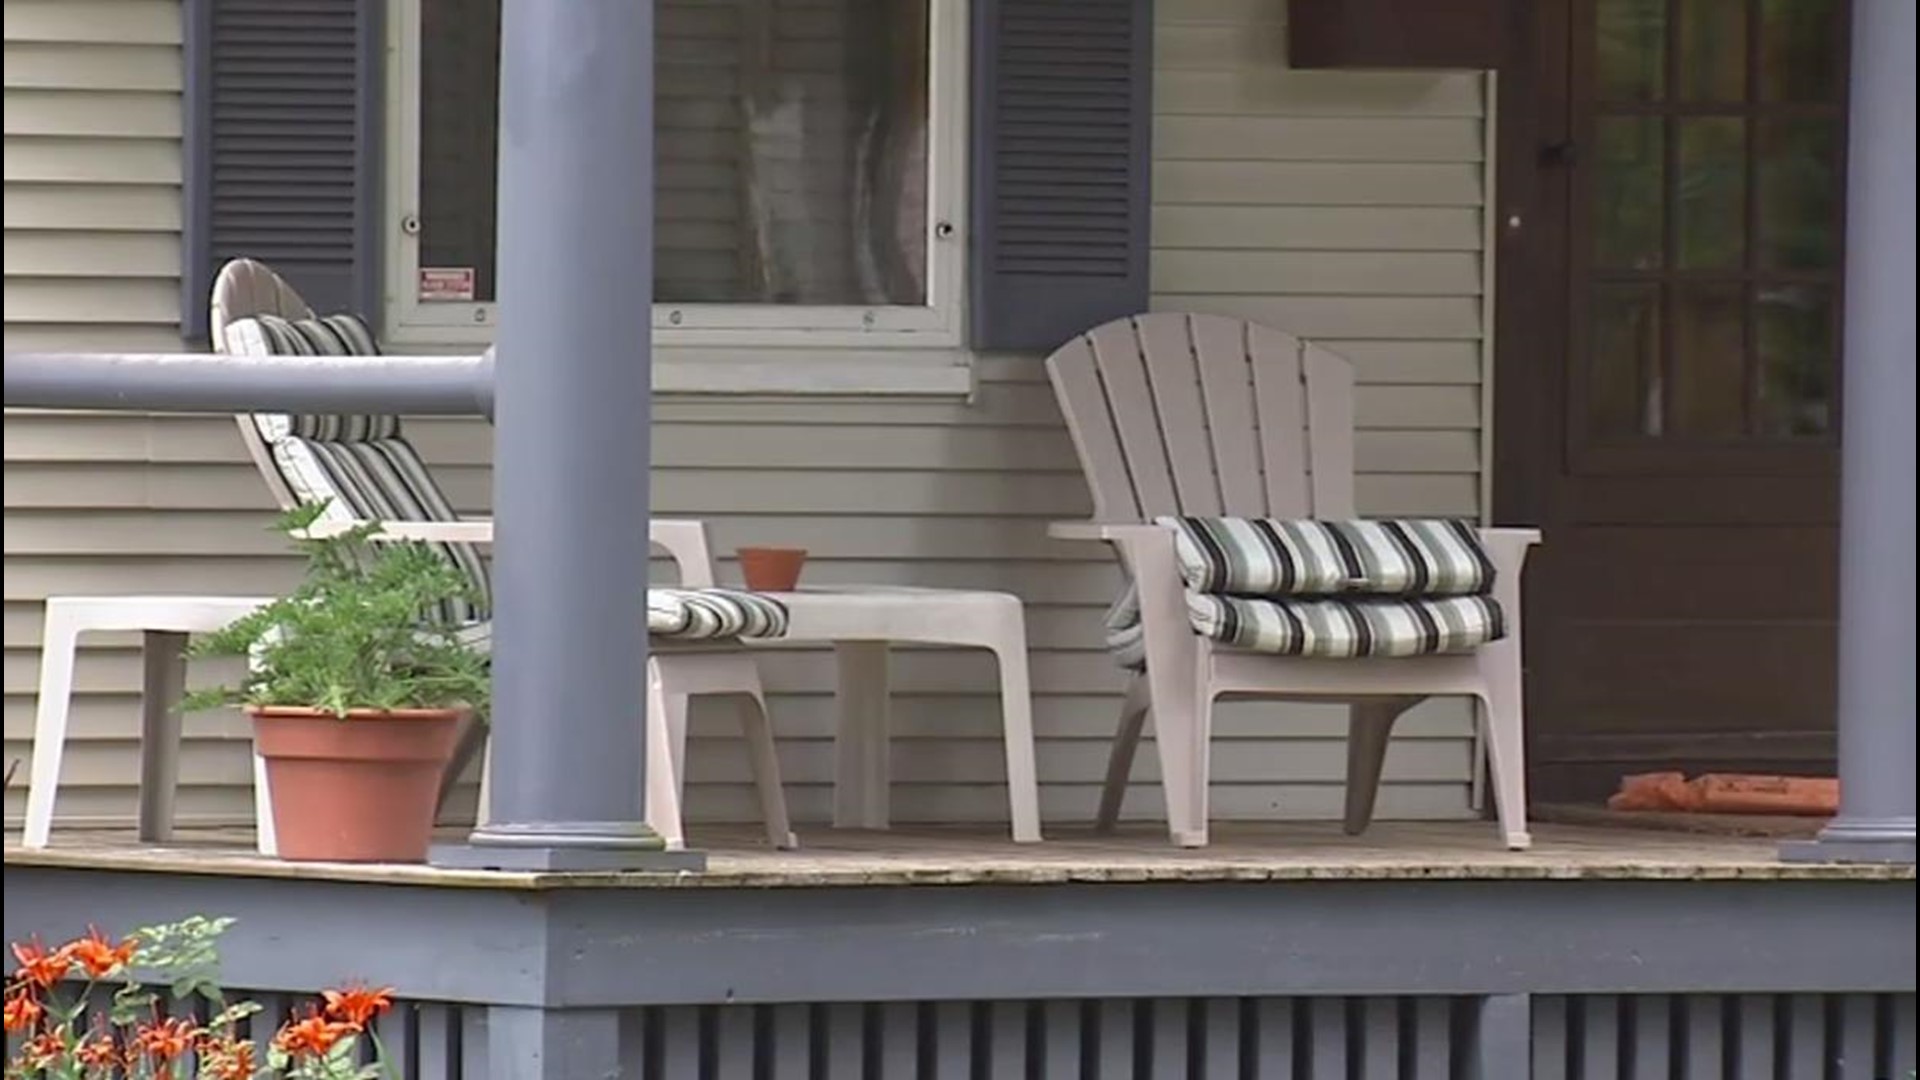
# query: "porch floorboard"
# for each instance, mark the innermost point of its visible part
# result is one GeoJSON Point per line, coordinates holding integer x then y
{"type": "Point", "coordinates": [1289, 851]}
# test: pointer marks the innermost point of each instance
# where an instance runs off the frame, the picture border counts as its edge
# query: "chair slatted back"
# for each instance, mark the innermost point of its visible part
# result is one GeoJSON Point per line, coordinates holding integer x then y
{"type": "Point", "coordinates": [1205, 415]}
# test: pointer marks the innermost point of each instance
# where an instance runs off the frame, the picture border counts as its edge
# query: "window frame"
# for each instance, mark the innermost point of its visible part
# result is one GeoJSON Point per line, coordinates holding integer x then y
{"type": "Point", "coordinates": [938, 324]}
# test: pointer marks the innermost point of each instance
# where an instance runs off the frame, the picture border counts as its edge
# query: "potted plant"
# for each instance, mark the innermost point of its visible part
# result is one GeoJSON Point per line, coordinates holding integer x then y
{"type": "Point", "coordinates": [359, 684]}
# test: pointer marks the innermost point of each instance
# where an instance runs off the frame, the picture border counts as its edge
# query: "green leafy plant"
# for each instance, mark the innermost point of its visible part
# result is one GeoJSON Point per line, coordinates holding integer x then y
{"type": "Point", "coordinates": [368, 628]}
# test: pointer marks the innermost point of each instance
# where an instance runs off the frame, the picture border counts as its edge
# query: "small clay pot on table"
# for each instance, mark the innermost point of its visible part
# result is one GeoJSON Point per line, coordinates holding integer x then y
{"type": "Point", "coordinates": [771, 569]}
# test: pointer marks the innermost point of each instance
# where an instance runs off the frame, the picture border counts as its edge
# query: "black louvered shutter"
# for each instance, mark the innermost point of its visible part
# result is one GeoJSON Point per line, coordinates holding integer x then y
{"type": "Point", "coordinates": [1062, 123]}
{"type": "Point", "coordinates": [282, 140]}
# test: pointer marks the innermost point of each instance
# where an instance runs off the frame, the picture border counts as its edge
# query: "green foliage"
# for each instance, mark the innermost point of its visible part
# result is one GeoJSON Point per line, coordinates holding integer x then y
{"type": "Point", "coordinates": [187, 955]}
{"type": "Point", "coordinates": [368, 628]}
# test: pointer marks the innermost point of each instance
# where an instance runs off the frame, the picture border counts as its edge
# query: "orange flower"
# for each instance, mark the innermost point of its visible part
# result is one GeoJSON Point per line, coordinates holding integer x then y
{"type": "Point", "coordinates": [226, 1059]}
{"type": "Point", "coordinates": [44, 1049]}
{"type": "Point", "coordinates": [314, 1034]}
{"type": "Point", "coordinates": [99, 956]}
{"type": "Point", "coordinates": [356, 1005]}
{"type": "Point", "coordinates": [99, 1052]}
{"type": "Point", "coordinates": [166, 1039]}
{"type": "Point", "coordinates": [38, 966]}
{"type": "Point", "coordinates": [22, 1012]}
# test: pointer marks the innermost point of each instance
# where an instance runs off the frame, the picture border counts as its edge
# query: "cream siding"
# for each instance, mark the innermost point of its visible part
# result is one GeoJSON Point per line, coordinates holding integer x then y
{"type": "Point", "coordinates": [1345, 207]}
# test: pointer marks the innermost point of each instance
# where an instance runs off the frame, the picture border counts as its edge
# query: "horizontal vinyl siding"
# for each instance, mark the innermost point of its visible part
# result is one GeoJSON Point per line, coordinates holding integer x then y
{"type": "Point", "coordinates": [890, 492]}
{"type": "Point", "coordinates": [92, 173]}
{"type": "Point", "coordinates": [1345, 207]}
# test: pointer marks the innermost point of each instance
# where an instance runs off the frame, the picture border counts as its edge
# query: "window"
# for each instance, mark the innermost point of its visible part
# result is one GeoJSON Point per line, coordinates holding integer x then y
{"type": "Point", "coordinates": [1712, 246]}
{"type": "Point", "coordinates": [807, 168]}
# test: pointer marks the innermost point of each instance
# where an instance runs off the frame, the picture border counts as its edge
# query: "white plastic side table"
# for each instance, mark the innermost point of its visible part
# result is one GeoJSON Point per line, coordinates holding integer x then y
{"type": "Point", "coordinates": [164, 623]}
{"type": "Point", "coordinates": [860, 621]}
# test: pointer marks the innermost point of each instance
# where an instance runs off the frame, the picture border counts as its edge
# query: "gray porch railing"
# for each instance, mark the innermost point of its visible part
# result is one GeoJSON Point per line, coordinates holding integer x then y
{"type": "Point", "coordinates": [203, 382]}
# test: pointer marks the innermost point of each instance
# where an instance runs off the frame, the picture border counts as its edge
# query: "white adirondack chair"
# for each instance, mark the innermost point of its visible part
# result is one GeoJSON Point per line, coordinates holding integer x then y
{"type": "Point", "coordinates": [1203, 415]}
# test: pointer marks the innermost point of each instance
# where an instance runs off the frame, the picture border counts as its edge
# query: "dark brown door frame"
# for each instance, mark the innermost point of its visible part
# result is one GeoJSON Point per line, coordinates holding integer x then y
{"type": "Point", "coordinates": [1531, 143]}
{"type": "Point", "coordinates": [1535, 145]}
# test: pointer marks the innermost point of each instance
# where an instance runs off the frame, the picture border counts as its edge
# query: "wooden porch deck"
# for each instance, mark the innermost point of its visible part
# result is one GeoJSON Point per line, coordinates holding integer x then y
{"type": "Point", "coordinates": [829, 858]}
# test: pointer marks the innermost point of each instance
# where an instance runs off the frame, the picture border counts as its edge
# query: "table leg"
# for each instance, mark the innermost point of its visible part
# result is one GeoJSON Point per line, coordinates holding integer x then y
{"type": "Point", "coordinates": [1016, 705]}
{"type": "Point", "coordinates": [58, 646]}
{"type": "Point", "coordinates": [164, 680]}
{"type": "Point", "coordinates": [860, 794]}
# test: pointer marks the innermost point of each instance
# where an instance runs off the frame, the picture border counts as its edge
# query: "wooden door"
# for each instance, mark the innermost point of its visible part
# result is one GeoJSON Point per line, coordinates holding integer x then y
{"type": "Point", "coordinates": [1670, 383]}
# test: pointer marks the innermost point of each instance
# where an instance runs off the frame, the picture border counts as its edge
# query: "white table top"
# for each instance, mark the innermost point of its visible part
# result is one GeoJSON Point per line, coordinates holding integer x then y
{"type": "Point", "coordinates": [884, 594]}
{"type": "Point", "coordinates": [900, 613]}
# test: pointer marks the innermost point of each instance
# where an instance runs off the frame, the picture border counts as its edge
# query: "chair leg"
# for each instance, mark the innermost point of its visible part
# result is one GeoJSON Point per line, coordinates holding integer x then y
{"type": "Point", "coordinates": [756, 727]}
{"type": "Point", "coordinates": [1182, 729]}
{"type": "Point", "coordinates": [662, 778]}
{"type": "Point", "coordinates": [163, 681]}
{"type": "Point", "coordinates": [473, 735]}
{"type": "Point", "coordinates": [266, 836]}
{"type": "Point", "coordinates": [1016, 712]}
{"type": "Point", "coordinates": [49, 727]}
{"type": "Point", "coordinates": [1504, 718]}
{"type": "Point", "coordinates": [483, 811]}
{"type": "Point", "coordinates": [1199, 795]}
{"type": "Point", "coordinates": [1369, 730]}
{"type": "Point", "coordinates": [1126, 742]}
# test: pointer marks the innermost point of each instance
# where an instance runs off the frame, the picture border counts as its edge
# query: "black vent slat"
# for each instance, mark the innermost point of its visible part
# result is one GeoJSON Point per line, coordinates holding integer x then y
{"type": "Point", "coordinates": [281, 147]}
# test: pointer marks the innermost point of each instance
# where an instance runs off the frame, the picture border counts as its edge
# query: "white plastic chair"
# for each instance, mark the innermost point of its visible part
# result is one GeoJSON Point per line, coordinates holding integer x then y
{"type": "Point", "coordinates": [1197, 415]}
{"type": "Point", "coordinates": [404, 498]}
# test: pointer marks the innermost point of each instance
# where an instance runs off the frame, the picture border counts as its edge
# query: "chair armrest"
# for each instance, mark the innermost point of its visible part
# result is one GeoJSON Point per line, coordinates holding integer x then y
{"type": "Point", "coordinates": [476, 531]}
{"type": "Point", "coordinates": [1507, 546]}
{"type": "Point", "coordinates": [1146, 552]}
{"type": "Point", "coordinates": [685, 541]}
{"type": "Point", "coordinates": [1509, 534]}
{"type": "Point", "coordinates": [1118, 532]}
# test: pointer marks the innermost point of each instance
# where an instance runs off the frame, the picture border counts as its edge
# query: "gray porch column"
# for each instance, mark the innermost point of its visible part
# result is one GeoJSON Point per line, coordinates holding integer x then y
{"type": "Point", "coordinates": [571, 430]}
{"type": "Point", "coordinates": [1877, 453]}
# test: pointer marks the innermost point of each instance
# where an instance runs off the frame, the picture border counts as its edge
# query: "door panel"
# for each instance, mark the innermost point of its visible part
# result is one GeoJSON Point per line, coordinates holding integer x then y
{"type": "Point", "coordinates": [1681, 167]}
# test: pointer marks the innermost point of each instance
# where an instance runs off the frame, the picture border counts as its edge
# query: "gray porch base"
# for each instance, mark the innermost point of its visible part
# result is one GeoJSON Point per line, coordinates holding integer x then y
{"type": "Point", "coordinates": [613, 946]}
{"type": "Point", "coordinates": [1456, 975]}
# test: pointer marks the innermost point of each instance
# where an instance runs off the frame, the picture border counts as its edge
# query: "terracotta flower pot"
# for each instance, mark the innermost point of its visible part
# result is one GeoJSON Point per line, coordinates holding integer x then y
{"type": "Point", "coordinates": [771, 569]}
{"type": "Point", "coordinates": [362, 788]}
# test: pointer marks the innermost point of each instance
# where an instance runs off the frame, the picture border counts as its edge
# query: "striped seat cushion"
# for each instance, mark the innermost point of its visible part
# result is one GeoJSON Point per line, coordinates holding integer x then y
{"type": "Point", "coordinates": [675, 614]}
{"type": "Point", "coordinates": [1325, 627]}
{"type": "Point", "coordinates": [1289, 558]}
{"type": "Point", "coordinates": [708, 614]}
{"type": "Point", "coordinates": [360, 465]}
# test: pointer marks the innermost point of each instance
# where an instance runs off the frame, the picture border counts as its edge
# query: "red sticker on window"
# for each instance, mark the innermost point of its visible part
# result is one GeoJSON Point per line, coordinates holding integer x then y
{"type": "Point", "coordinates": [446, 284]}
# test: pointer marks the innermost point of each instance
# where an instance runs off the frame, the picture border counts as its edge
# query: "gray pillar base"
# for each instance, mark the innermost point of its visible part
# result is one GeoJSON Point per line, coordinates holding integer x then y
{"type": "Point", "coordinates": [1876, 840]}
{"type": "Point", "coordinates": [560, 1044]}
{"type": "Point", "coordinates": [566, 846]}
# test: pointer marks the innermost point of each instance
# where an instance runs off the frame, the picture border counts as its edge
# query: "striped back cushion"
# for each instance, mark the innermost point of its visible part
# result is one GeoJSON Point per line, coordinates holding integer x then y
{"type": "Point", "coordinates": [1285, 558]}
{"type": "Point", "coordinates": [332, 335]}
{"type": "Point", "coordinates": [361, 465]}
